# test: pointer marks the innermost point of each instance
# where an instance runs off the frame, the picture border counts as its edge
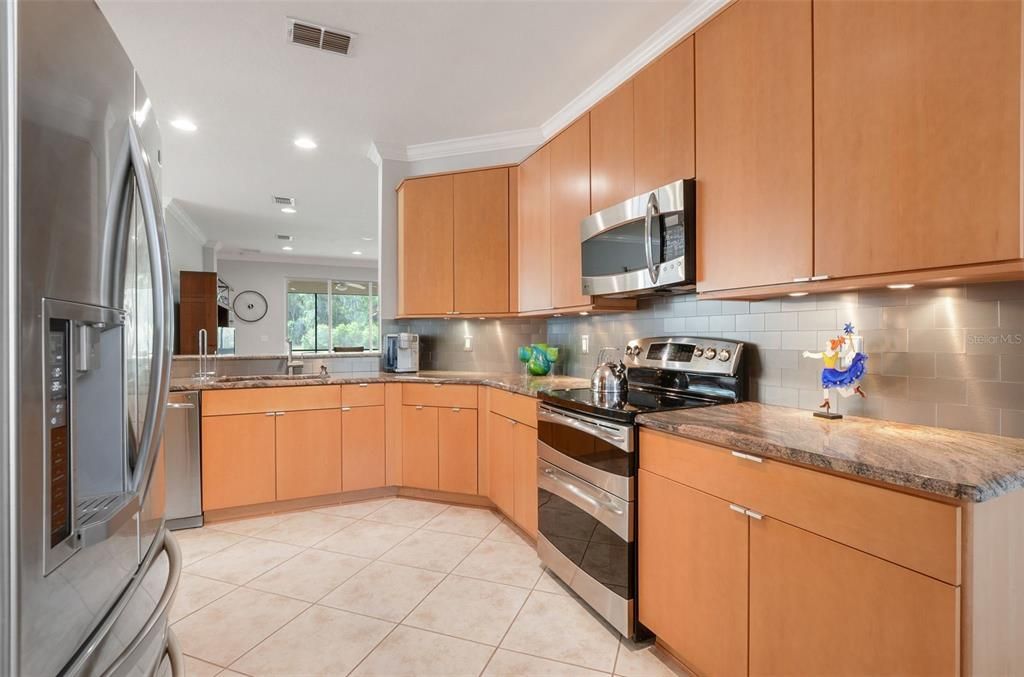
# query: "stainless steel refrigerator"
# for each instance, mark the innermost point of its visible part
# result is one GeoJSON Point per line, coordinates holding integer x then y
{"type": "Point", "coordinates": [91, 571]}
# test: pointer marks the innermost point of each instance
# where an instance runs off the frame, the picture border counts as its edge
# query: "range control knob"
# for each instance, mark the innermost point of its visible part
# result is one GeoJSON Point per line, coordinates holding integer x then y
{"type": "Point", "coordinates": [724, 355]}
{"type": "Point", "coordinates": [709, 353]}
{"type": "Point", "coordinates": [698, 351]}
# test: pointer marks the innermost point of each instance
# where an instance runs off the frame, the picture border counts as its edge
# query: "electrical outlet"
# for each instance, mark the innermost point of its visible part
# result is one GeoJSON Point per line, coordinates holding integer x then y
{"type": "Point", "coordinates": [585, 344]}
{"type": "Point", "coordinates": [467, 343]}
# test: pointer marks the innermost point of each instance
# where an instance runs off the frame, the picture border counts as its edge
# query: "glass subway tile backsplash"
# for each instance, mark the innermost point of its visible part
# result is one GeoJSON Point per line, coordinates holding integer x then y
{"type": "Point", "coordinates": [952, 357]}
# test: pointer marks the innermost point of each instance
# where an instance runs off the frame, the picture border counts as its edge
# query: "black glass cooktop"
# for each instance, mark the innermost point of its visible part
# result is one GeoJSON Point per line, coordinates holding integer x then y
{"type": "Point", "coordinates": [624, 407]}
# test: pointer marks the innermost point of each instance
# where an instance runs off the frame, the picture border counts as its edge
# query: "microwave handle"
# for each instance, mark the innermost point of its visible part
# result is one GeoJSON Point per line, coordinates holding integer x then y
{"type": "Point", "coordinates": [652, 211]}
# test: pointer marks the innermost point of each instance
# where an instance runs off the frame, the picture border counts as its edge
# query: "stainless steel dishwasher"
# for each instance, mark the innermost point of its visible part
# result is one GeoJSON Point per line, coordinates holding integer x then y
{"type": "Point", "coordinates": [182, 456]}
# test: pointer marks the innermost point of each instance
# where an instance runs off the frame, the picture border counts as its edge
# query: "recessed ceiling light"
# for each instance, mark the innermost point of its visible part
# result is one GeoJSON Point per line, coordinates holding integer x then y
{"type": "Point", "coordinates": [288, 210]}
{"type": "Point", "coordinates": [357, 253]}
{"type": "Point", "coordinates": [184, 124]}
{"type": "Point", "coordinates": [798, 293]}
{"type": "Point", "coordinates": [287, 248]}
{"type": "Point", "coordinates": [305, 143]}
{"type": "Point", "coordinates": [904, 285]}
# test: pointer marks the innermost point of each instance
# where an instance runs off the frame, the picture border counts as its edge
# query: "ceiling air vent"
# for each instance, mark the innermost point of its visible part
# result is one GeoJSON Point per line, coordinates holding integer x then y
{"type": "Point", "coordinates": [284, 201]}
{"type": "Point", "coordinates": [319, 37]}
{"type": "Point", "coordinates": [285, 238]}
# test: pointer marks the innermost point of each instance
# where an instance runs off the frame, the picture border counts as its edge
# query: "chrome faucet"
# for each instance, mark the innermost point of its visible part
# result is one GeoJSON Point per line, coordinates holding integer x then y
{"type": "Point", "coordinates": [323, 371]}
{"type": "Point", "coordinates": [293, 366]}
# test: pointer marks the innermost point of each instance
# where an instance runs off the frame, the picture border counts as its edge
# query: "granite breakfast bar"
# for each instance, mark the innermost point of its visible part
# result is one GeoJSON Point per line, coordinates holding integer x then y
{"type": "Point", "coordinates": [873, 545]}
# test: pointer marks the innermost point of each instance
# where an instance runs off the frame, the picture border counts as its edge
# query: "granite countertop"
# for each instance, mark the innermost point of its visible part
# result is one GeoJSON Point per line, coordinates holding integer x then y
{"type": "Point", "coordinates": [948, 463]}
{"type": "Point", "coordinates": [512, 382]}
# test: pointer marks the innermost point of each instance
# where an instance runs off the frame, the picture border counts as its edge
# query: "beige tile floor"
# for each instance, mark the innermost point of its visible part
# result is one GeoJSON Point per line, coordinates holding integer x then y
{"type": "Point", "coordinates": [387, 587]}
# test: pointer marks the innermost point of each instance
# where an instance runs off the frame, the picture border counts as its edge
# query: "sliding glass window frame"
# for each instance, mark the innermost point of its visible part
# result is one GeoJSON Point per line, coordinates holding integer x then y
{"type": "Point", "coordinates": [324, 292]}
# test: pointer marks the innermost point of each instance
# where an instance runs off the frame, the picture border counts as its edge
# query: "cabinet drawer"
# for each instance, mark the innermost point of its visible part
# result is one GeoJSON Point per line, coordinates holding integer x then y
{"type": "Point", "coordinates": [362, 394]}
{"type": "Point", "coordinates": [258, 400]}
{"type": "Point", "coordinates": [439, 395]}
{"type": "Point", "coordinates": [918, 533]}
{"type": "Point", "coordinates": [516, 407]}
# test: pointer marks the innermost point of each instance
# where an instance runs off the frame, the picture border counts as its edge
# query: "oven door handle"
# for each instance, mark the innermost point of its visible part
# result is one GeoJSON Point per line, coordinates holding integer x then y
{"type": "Point", "coordinates": [620, 441]}
{"type": "Point", "coordinates": [611, 512]}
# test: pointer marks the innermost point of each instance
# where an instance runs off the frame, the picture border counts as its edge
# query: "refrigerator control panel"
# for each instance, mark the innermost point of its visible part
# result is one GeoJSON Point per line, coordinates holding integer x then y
{"type": "Point", "coordinates": [57, 424]}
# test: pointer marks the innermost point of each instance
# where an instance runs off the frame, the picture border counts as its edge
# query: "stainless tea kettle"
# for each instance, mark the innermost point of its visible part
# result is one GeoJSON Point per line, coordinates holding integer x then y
{"type": "Point", "coordinates": [610, 375]}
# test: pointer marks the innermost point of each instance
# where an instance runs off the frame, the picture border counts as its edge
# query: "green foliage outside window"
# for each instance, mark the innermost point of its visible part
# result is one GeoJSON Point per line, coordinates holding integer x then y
{"type": "Point", "coordinates": [324, 314]}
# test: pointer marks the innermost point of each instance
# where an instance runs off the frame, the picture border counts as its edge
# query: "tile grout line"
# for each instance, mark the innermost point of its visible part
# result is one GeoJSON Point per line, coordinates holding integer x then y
{"type": "Point", "coordinates": [401, 622]}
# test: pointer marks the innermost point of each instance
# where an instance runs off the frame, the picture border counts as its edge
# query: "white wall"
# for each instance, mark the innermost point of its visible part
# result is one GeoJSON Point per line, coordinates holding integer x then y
{"type": "Point", "coordinates": [185, 246]}
{"type": "Point", "coordinates": [267, 336]}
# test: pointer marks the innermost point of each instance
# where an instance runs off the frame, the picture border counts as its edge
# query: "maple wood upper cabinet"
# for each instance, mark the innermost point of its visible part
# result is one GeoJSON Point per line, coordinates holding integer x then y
{"type": "Point", "coordinates": [916, 135]}
{"type": "Point", "coordinates": [753, 144]}
{"type": "Point", "coordinates": [481, 241]}
{"type": "Point", "coordinates": [611, 149]}
{"type": "Point", "coordinates": [663, 110]}
{"type": "Point", "coordinates": [426, 279]}
{"type": "Point", "coordinates": [570, 204]}
{"type": "Point", "coordinates": [453, 244]}
{"type": "Point", "coordinates": [534, 245]}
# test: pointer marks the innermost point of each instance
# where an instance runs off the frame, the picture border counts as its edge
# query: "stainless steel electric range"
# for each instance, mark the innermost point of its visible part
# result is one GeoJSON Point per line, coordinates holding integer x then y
{"type": "Point", "coordinates": [587, 464]}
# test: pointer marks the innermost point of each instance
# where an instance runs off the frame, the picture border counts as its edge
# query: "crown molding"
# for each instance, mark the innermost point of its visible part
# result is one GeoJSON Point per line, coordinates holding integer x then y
{"type": "Point", "coordinates": [190, 226]}
{"type": "Point", "coordinates": [678, 27]}
{"type": "Point", "coordinates": [233, 254]}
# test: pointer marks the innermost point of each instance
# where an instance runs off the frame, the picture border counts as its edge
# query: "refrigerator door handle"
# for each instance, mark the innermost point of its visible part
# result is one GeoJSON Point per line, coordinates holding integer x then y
{"type": "Point", "coordinates": [156, 402]}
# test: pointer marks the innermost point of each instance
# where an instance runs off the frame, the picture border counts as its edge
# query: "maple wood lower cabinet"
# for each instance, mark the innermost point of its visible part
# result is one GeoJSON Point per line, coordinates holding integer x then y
{"type": "Point", "coordinates": [818, 607]}
{"type": "Point", "coordinates": [419, 446]}
{"type": "Point", "coordinates": [456, 450]}
{"type": "Point", "coordinates": [524, 472]}
{"type": "Point", "coordinates": [308, 453]}
{"type": "Point", "coordinates": [238, 460]}
{"type": "Point", "coordinates": [500, 448]}
{"type": "Point", "coordinates": [733, 589]}
{"type": "Point", "coordinates": [693, 574]}
{"type": "Point", "coordinates": [363, 460]}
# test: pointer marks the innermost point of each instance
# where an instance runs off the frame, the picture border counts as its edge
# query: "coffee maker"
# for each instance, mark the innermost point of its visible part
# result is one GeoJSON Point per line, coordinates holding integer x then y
{"type": "Point", "coordinates": [402, 352]}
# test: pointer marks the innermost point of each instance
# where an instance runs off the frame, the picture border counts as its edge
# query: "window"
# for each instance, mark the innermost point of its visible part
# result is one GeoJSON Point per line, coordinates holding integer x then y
{"type": "Point", "coordinates": [326, 314]}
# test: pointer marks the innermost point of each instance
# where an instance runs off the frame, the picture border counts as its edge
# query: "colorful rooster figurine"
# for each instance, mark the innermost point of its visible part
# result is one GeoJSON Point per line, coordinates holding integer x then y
{"type": "Point", "coordinates": [844, 368]}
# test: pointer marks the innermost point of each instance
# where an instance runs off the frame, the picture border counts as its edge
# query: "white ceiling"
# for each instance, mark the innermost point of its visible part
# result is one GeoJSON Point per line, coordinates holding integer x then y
{"type": "Point", "coordinates": [419, 72]}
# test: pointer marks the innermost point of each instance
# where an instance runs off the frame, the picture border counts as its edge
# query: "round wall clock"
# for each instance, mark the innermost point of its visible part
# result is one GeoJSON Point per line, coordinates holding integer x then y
{"type": "Point", "coordinates": [250, 306]}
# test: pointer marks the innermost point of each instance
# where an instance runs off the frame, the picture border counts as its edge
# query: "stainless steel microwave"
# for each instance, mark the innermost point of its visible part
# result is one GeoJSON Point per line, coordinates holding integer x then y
{"type": "Point", "coordinates": [642, 246]}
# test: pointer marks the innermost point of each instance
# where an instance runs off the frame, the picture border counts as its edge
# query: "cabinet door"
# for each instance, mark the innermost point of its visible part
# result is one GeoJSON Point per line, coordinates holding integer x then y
{"type": "Point", "coordinates": [500, 449]}
{"type": "Point", "coordinates": [692, 574]}
{"type": "Point", "coordinates": [916, 135]}
{"type": "Point", "coordinates": [456, 450]}
{"type": "Point", "coordinates": [570, 204]}
{"type": "Point", "coordinates": [481, 241]}
{"type": "Point", "coordinates": [753, 93]}
{"type": "Point", "coordinates": [535, 231]}
{"type": "Point", "coordinates": [611, 149]}
{"type": "Point", "coordinates": [308, 453]}
{"type": "Point", "coordinates": [425, 246]}
{"type": "Point", "coordinates": [238, 460]}
{"type": "Point", "coordinates": [419, 446]}
{"type": "Point", "coordinates": [663, 120]}
{"type": "Point", "coordinates": [820, 608]}
{"type": "Point", "coordinates": [525, 478]}
{"type": "Point", "coordinates": [362, 448]}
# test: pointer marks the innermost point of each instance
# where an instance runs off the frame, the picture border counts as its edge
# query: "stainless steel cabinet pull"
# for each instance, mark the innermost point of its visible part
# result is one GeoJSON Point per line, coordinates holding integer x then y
{"type": "Point", "coordinates": [755, 515]}
{"type": "Point", "coordinates": [456, 409]}
{"type": "Point", "coordinates": [817, 278]}
{"type": "Point", "coordinates": [346, 408]}
{"type": "Point", "coordinates": [270, 413]}
{"type": "Point", "coordinates": [278, 413]}
{"type": "Point", "coordinates": [419, 406]}
{"type": "Point", "coordinates": [738, 508]}
{"type": "Point", "coordinates": [438, 385]}
{"type": "Point", "coordinates": [748, 457]}
{"type": "Point", "coordinates": [801, 279]}
{"type": "Point", "coordinates": [180, 405]}
{"type": "Point", "coordinates": [363, 385]}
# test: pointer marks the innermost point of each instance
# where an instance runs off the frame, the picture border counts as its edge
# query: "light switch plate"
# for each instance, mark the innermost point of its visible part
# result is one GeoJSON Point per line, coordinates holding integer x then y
{"type": "Point", "coordinates": [585, 344]}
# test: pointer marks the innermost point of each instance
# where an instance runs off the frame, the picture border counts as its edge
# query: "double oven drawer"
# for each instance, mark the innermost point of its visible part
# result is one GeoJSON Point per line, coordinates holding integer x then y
{"type": "Point", "coordinates": [586, 515]}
